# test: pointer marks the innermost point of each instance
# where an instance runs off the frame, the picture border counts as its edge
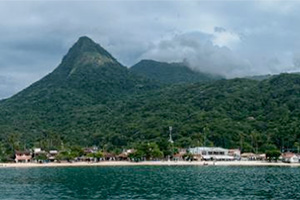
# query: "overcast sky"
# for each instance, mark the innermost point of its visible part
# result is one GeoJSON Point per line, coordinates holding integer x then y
{"type": "Point", "coordinates": [233, 38]}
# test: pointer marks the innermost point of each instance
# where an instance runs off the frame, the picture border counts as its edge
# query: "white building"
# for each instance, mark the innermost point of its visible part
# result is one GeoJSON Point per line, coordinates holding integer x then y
{"type": "Point", "coordinates": [52, 155]}
{"type": "Point", "coordinates": [236, 153]}
{"type": "Point", "coordinates": [290, 158]}
{"type": "Point", "coordinates": [211, 153]}
{"type": "Point", "coordinates": [37, 150]}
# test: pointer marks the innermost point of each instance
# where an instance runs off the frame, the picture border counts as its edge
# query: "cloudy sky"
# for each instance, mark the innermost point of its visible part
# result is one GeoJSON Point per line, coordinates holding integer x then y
{"type": "Point", "coordinates": [233, 38]}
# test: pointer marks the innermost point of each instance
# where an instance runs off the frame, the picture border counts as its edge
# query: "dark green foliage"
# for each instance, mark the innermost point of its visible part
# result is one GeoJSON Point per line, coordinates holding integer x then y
{"type": "Point", "coordinates": [96, 155]}
{"type": "Point", "coordinates": [273, 155]}
{"type": "Point", "coordinates": [146, 151]}
{"type": "Point", "coordinates": [188, 156]}
{"type": "Point", "coordinates": [259, 77]}
{"type": "Point", "coordinates": [41, 157]}
{"type": "Point", "coordinates": [91, 99]}
{"type": "Point", "coordinates": [70, 153]}
{"type": "Point", "coordinates": [65, 155]}
{"type": "Point", "coordinates": [171, 73]}
{"type": "Point", "coordinates": [89, 80]}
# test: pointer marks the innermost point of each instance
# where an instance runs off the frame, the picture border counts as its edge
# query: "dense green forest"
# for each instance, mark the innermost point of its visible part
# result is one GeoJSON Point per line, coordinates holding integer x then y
{"type": "Point", "coordinates": [91, 99]}
{"type": "Point", "coordinates": [171, 73]}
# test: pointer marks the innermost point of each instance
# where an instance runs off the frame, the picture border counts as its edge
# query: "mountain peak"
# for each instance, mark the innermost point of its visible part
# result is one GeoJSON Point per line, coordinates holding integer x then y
{"type": "Point", "coordinates": [85, 55]}
{"type": "Point", "coordinates": [86, 44]}
{"type": "Point", "coordinates": [85, 38]}
{"type": "Point", "coordinates": [86, 47]}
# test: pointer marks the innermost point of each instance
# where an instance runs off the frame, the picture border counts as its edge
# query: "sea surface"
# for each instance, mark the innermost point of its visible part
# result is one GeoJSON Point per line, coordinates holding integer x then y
{"type": "Point", "coordinates": [150, 182]}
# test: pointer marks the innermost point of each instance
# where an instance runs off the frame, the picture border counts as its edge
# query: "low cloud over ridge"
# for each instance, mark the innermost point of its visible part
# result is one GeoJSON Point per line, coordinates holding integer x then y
{"type": "Point", "coordinates": [201, 54]}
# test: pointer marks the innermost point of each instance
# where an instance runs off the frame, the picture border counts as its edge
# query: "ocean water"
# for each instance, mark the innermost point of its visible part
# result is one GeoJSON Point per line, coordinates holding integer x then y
{"type": "Point", "coordinates": [151, 182]}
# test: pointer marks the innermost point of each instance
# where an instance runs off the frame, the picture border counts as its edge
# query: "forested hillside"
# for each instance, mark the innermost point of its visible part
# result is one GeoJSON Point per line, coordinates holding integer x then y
{"type": "Point", "coordinates": [91, 99]}
{"type": "Point", "coordinates": [171, 73]}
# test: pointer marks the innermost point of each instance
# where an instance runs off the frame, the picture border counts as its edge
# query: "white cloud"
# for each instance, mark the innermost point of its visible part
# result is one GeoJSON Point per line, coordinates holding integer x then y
{"type": "Point", "coordinates": [202, 55]}
{"type": "Point", "coordinates": [283, 7]}
{"type": "Point", "coordinates": [226, 38]}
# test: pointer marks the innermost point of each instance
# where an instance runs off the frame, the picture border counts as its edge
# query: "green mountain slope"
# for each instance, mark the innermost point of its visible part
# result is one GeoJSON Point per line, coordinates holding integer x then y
{"type": "Point", "coordinates": [170, 73]}
{"type": "Point", "coordinates": [87, 76]}
{"type": "Point", "coordinates": [237, 113]}
{"type": "Point", "coordinates": [91, 99]}
{"type": "Point", "coordinates": [259, 77]}
{"type": "Point", "coordinates": [89, 72]}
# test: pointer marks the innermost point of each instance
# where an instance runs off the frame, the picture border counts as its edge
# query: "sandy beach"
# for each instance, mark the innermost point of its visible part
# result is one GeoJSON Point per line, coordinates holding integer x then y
{"type": "Point", "coordinates": [149, 163]}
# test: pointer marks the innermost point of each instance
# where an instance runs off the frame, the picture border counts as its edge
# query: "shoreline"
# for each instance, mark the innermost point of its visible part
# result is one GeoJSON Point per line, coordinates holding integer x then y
{"type": "Point", "coordinates": [149, 163]}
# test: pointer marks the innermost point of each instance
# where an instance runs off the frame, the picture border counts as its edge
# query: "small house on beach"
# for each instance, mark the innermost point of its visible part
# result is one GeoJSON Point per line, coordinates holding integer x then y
{"type": "Point", "coordinates": [252, 156]}
{"type": "Point", "coordinates": [122, 156]}
{"type": "Point", "coordinates": [290, 158]}
{"type": "Point", "coordinates": [236, 153]}
{"type": "Point", "coordinates": [109, 156]}
{"type": "Point", "coordinates": [23, 156]}
{"type": "Point", "coordinates": [179, 156]}
{"type": "Point", "coordinates": [52, 155]}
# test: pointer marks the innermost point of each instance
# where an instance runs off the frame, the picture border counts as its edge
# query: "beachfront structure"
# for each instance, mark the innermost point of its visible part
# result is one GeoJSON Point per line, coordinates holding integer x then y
{"type": "Point", "coordinates": [39, 155]}
{"type": "Point", "coordinates": [211, 153]}
{"type": "Point", "coordinates": [109, 156]}
{"type": "Point", "coordinates": [290, 157]}
{"type": "Point", "coordinates": [125, 154]}
{"type": "Point", "coordinates": [236, 153]}
{"type": "Point", "coordinates": [179, 156]}
{"type": "Point", "coordinates": [248, 156]}
{"type": "Point", "coordinates": [23, 156]}
{"type": "Point", "coordinates": [38, 151]}
{"type": "Point", "coordinates": [52, 155]}
{"type": "Point", "coordinates": [88, 150]}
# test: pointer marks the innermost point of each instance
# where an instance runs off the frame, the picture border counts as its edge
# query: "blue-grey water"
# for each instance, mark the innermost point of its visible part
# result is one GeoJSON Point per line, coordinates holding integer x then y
{"type": "Point", "coordinates": [146, 182]}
